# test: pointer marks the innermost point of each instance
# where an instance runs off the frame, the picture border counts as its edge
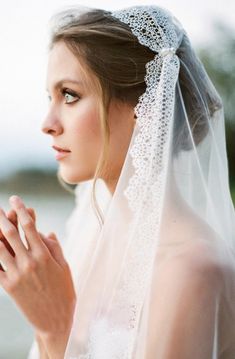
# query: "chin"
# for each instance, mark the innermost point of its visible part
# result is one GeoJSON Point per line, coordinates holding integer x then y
{"type": "Point", "coordinates": [74, 177]}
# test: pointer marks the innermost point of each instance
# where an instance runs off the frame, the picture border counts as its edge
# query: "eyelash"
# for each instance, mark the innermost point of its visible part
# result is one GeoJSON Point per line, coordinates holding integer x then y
{"type": "Point", "coordinates": [65, 91]}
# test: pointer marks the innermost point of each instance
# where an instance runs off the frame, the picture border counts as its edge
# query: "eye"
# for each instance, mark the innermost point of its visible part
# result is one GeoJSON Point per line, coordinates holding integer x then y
{"type": "Point", "coordinates": [69, 95]}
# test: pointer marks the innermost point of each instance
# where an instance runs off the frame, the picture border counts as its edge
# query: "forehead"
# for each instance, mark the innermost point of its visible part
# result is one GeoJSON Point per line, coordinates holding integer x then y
{"type": "Point", "coordinates": [64, 65]}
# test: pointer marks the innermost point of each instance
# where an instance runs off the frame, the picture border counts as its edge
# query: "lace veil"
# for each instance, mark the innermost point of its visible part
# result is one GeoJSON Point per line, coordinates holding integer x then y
{"type": "Point", "coordinates": [157, 279]}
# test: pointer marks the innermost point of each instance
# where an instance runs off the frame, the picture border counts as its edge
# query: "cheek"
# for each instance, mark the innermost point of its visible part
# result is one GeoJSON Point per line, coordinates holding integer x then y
{"type": "Point", "coordinates": [84, 125]}
{"type": "Point", "coordinates": [84, 139]}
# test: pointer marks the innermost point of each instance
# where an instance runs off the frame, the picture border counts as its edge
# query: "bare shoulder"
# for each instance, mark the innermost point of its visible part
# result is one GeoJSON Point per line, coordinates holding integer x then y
{"type": "Point", "coordinates": [195, 253]}
{"type": "Point", "coordinates": [197, 264]}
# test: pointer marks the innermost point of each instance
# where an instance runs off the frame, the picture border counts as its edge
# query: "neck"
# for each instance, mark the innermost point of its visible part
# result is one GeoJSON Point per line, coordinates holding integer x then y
{"type": "Point", "coordinates": [173, 201]}
{"type": "Point", "coordinates": [111, 185]}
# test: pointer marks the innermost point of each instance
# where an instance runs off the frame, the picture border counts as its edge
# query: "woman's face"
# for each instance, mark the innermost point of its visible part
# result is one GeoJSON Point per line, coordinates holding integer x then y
{"type": "Point", "coordinates": [74, 124]}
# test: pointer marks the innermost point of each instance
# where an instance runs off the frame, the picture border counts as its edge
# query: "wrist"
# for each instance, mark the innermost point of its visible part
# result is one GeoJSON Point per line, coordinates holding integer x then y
{"type": "Point", "coordinates": [41, 347]}
{"type": "Point", "coordinates": [55, 344]}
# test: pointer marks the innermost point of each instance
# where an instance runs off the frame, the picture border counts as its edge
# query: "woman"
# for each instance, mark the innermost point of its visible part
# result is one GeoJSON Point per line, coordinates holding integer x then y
{"type": "Point", "coordinates": [147, 270]}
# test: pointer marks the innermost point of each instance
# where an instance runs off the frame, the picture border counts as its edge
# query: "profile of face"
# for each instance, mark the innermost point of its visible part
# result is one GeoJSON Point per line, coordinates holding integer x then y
{"type": "Point", "coordinates": [73, 120]}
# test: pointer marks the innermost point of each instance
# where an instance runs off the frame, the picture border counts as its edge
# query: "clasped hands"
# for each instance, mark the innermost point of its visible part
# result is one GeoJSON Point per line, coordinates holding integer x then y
{"type": "Point", "coordinates": [38, 278]}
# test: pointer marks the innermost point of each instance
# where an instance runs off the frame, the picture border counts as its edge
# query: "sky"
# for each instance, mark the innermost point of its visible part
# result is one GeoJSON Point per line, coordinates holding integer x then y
{"type": "Point", "coordinates": [24, 30]}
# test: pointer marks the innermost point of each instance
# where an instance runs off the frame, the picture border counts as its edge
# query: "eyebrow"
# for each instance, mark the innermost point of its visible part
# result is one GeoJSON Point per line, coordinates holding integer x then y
{"type": "Point", "coordinates": [60, 83]}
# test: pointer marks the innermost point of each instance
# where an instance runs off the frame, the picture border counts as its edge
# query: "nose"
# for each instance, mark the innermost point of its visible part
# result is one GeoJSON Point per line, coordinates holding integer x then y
{"type": "Point", "coordinates": [52, 125]}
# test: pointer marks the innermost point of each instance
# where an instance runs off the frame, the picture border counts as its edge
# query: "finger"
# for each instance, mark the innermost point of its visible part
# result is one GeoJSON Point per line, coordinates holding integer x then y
{"type": "Point", "coordinates": [28, 225]}
{"type": "Point", "coordinates": [1, 268]}
{"type": "Point", "coordinates": [32, 213]}
{"type": "Point", "coordinates": [11, 215]}
{"type": "Point", "coordinates": [7, 259]}
{"type": "Point", "coordinates": [3, 277]}
{"type": "Point", "coordinates": [12, 235]}
{"type": "Point", "coordinates": [7, 245]}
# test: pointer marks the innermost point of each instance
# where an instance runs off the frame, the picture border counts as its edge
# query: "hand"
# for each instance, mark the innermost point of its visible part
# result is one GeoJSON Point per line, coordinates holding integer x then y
{"type": "Point", "coordinates": [12, 216]}
{"type": "Point", "coordinates": [48, 240]}
{"type": "Point", "coordinates": [38, 278]}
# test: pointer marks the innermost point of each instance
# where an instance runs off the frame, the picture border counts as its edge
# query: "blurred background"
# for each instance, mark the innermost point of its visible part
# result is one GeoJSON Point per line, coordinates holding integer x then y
{"type": "Point", "coordinates": [27, 163]}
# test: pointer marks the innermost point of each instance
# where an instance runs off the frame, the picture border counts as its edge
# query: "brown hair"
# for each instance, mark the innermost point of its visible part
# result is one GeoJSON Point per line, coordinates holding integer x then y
{"type": "Point", "coordinates": [111, 52]}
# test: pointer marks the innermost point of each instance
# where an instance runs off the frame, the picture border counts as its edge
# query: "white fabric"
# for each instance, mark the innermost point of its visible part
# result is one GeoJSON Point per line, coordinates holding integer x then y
{"type": "Point", "coordinates": [106, 344]}
{"type": "Point", "coordinates": [157, 280]}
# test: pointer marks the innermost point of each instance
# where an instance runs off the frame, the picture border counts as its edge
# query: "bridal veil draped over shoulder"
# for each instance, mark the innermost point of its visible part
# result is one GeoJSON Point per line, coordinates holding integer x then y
{"type": "Point", "coordinates": [157, 279]}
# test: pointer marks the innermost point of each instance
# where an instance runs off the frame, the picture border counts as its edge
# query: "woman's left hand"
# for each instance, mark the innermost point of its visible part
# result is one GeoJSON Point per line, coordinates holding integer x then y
{"type": "Point", "coordinates": [38, 279]}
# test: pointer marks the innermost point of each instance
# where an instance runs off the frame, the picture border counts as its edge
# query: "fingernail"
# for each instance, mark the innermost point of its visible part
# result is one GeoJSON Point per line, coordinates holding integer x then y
{"type": "Point", "coordinates": [15, 200]}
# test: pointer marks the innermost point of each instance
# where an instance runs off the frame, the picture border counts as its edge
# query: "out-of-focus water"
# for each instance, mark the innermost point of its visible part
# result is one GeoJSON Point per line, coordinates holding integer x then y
{"type": "Point", "coordinates": [16, 334]}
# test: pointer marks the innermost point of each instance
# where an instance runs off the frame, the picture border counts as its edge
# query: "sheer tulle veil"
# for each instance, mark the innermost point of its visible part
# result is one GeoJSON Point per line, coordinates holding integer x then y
{"type": "Point", "coordinates": [170, 218]}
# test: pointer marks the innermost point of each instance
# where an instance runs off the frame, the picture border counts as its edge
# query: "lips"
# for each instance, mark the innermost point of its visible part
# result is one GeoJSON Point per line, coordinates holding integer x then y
{"type": "Point", "coordinates": [60, 149]}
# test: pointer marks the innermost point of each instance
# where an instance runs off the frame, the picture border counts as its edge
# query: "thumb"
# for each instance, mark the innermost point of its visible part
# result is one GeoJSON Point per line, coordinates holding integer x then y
{"type": "Point", "coordinates": [52, 236]}
{"type": "Point", "coordinates": [54, 247]}
{"type": "Point", "coordinates": [55, 243]}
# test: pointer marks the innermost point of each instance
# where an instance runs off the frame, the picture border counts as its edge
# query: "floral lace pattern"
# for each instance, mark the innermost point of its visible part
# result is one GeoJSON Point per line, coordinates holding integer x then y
{"type": "Point", "coordinates": [151, 25]}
